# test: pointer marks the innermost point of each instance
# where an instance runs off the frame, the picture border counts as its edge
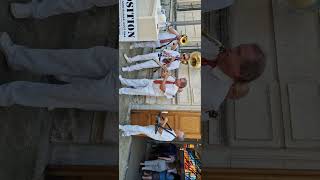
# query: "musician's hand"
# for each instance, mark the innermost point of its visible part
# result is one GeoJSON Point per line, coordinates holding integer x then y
{"type": "Point", "coordinates": [165, 74]}
{"type": "Point", "coordinates": [166, 53]}
{"type": "Point", "coordinates": [164, 71]}
{"type": "Point", "coordinates": [164, 121]}
{"type": "Point", "coordinates": [174, 46]}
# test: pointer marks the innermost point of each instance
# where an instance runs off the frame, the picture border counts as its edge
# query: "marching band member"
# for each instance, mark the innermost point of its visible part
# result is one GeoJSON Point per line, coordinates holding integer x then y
{"type": "Point", "coordinates": [162, 134]}
{"type": "Point", "coordinates": [170, 39]}
{"type": "Point", "coordinates": [167, 58]}
{"type": "Point", "coordinates": [167, 86]}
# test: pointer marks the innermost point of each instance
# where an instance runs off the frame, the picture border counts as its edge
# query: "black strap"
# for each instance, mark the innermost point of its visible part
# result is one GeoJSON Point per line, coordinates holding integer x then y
{"type": "Point", "coordinates": [157, 126]}
{"type": "Point", "coordinates": [167, 129]}
{"type": "Point", "coordinates": [159, 55]}
{"type": "Point", "coordinates": [166, 44]}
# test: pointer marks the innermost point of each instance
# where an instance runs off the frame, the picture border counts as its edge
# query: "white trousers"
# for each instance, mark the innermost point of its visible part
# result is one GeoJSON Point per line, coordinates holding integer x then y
{"type": "Point", "coordinates": [46, 8]}
{"type": "Point", "coordinates": [93, 81]}
{"type": "Point", "coordinates": [158, 165]}
{"type": "Point", "coordinates": [140, 87]}
{"type": "Point", "coordinates": [131, 130]}
{"type": "Point", "coordinates": [145, 65]}
{"type": "Point", "coordinates": [146, 44]}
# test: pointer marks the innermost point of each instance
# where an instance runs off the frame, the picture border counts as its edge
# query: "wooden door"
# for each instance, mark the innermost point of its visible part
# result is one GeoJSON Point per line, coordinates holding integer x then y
{"type": "Point", "coordinates": [188, 122]}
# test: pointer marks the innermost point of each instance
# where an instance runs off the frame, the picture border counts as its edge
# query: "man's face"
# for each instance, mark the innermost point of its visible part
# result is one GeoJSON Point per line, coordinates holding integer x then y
{"type": "Point", "coordinates": [179, 82]}
{"type": "Point", "coordinates": [230, 60]}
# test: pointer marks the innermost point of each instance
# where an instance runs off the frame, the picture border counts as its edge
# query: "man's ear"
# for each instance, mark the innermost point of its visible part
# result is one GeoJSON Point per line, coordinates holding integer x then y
{"type": "Point", "coordinates": [238, 90]}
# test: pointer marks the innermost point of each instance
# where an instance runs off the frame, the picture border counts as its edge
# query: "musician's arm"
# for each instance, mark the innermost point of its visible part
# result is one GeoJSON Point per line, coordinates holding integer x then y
{"type": "Point", "coordinates": [164, 71]}
{"type": "Point", "coordinates": [164, 121]}
{"type": "Point", "coordinates": [173, 31]}
{"type": "Point", "coordinates": [163, 84]}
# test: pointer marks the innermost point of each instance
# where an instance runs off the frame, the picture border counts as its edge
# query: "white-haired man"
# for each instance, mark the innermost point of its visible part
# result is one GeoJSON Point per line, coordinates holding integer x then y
{"type": "Point", "coordinates": [168, 59]}
{"type": "Point", "coordinates": [167, 86]}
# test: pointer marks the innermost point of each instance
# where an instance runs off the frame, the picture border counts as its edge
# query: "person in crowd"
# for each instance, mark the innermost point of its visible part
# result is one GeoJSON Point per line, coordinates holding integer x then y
{"type": "Point", "coordinates": [167, 150]}
{"type": "Point", "coordinates": [160, 134]}
{"type": "Point", "coordinates": [164, 175]}
{"type": "Point", "coordinates": [158, 165]}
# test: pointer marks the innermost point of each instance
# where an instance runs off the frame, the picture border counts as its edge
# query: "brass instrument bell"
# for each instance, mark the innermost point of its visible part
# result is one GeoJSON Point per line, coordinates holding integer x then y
{"type": "Point", "coordinates": [195, 59]}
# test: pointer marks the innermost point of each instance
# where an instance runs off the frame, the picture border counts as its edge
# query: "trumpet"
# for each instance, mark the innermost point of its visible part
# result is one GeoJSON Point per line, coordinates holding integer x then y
{"type": "Point", "coordinates": [184, 40]}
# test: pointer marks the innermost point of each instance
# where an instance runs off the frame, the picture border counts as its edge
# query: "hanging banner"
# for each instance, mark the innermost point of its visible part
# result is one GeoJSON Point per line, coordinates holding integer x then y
{"type": "Point", "coordinates": [128, 29]}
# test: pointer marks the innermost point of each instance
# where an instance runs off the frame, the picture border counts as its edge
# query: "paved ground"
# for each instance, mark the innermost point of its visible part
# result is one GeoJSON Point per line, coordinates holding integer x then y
{"type": "Point", "coordinates": [130, 149]}
{"type": "Point", "coordinates": [22, 128]}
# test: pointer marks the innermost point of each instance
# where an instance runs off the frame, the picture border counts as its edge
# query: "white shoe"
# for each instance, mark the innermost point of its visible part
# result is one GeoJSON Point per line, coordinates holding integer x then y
{"type": "Point", "coordinates": [121, 80]}
{"type": "Point", "coordinates": [120, 92]}
{"type": "Point", "coordinates": [124, 69]}
{"type": "Point", "coordinates": [124, 134]}
{"type": "Point", "coordinates": [127, 58]}
{"type": "Point", "coordinates": [21, 10]}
